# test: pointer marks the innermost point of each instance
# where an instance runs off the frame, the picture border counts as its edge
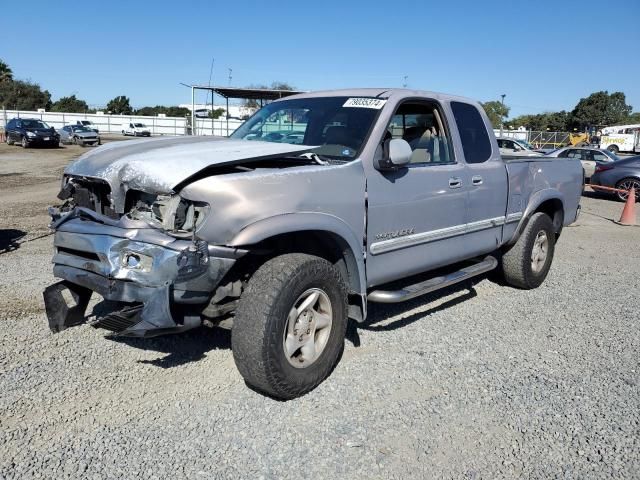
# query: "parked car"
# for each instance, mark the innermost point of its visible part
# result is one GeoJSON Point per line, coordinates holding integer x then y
{"type": "Point", "coordinates": [78, 135]}
{"type": "Point", "coordinates": [283, 242]}
{"type": "Point", "coordinates": [623, 174]}
{"type": "Point", "coordinates": [30, 131]}
{"type": "Point", "coordinates": [136, 129]}
{"type": "Point", "coordinates": [589, 157]}
{"type": "Point", "coordinates": [510, 146]}
{"type": "Point", "coordinates": [88, 124]}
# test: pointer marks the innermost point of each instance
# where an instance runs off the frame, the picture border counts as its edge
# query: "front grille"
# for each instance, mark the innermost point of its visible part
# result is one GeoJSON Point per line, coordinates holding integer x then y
{"type": "Point", "coordinates": [79, 253]}
{"type": "Point", "coordinates": [92, 194]}
{"type": "Point", "coordinates": [119, 321]}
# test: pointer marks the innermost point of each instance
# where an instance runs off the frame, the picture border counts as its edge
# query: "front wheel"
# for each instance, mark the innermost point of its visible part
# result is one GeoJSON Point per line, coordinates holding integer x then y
{"type": "Point", "coordinates": [24, 142]}
{"type": "Point", "coordinates": [527, 263]}
{"type": "Point", "coordinates": [8, 139]}
{"type": "Point", "coordinates": [289, 328]}
{"type": "Point", "coordinates": [613, 149]}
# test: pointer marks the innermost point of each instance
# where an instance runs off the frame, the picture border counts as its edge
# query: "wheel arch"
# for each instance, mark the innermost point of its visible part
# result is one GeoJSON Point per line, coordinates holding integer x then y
{"type": "Point", "coordinates": [550, 202]}
{"type": "Point", "coordinates": [318, 234]}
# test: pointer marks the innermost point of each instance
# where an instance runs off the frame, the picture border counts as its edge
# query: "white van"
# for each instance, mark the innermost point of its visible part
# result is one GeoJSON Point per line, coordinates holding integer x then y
{"type": "Point", "coordinates": [136, 129]}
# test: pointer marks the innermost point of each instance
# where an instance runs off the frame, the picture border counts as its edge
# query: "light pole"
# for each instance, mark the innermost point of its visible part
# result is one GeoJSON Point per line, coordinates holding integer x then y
{"type": "Point", "coordinates": [501, 114]}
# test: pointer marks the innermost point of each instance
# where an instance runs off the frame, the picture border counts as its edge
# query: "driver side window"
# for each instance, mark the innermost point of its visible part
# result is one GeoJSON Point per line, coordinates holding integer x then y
{"type": "Point", "coordinates": [420, 124]}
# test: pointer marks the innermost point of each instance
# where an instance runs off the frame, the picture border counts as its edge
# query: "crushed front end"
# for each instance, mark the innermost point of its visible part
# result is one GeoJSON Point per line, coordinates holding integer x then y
{"type": "Point", "coordinates": [148, 264]}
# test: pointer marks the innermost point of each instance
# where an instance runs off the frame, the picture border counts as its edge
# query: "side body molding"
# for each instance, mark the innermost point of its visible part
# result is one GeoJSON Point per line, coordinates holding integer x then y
{"type": "Point", "coordinates": [312, 221]}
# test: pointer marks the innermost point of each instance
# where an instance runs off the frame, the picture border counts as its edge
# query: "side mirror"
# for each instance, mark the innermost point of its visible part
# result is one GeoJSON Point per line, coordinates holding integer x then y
{"type": "Point", "coordinates": [396, 153]}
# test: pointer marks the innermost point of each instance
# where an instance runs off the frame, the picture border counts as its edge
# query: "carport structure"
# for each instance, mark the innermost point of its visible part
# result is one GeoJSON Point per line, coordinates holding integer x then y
{"type": "Point", "coordinates": [259, 94]}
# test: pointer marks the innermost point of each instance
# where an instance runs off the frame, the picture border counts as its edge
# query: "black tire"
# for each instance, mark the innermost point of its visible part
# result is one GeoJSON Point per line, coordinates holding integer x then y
{"type": "Point", "coordinates": [8, 139]}
{"type": "Point", "coordinates": [261, 318]}
{"type": "Point", "coordinates": [626, 184]}
{"type": "Point", "coordinates": [517, 263]}
{"type": "Point", "coordinates": [24, 142]}
{"type": "Point", "coordinates": [613, 149]}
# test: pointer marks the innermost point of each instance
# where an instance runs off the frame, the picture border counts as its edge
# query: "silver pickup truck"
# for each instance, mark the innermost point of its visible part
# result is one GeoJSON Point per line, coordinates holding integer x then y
{"type": "Point", "coordinates": [317, 205]}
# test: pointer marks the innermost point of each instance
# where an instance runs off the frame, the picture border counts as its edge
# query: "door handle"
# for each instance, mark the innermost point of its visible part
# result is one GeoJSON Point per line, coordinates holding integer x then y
{"type": "Point", "coordinates": [476, 180]}
{"type": "Point", "coordinates": [454, 182]}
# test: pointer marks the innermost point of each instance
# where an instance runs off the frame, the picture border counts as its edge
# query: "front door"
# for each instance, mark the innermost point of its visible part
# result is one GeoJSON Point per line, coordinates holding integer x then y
{"type": "Point", "coordinates": [416, 214]}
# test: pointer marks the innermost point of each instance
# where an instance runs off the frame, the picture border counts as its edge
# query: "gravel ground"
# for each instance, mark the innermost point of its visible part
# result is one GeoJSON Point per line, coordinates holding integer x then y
{"type": "Point", "coordinates": [480, 381]}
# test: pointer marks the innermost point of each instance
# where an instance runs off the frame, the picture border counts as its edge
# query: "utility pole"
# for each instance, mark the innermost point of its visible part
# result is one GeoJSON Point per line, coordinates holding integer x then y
{"type": "Point", "coordinates": [230, 76]}
{"type": "Point", "coordinates": [404, 82]}
{"type": "Point", "coordinates": [501, 115]}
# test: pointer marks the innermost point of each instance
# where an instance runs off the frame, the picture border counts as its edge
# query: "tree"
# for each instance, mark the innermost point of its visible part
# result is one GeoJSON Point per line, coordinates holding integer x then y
{"type": "Point", "coordinates": [6, 74]}
{"type": "Point", "coordinates": [168, 111]}
{"type": "Point", "coordinates": [120, 106]}
{"type": "Point", "coordinates": [22, 95]}
{"type": "Point", "coordinates": [557, 121]}
{"type": "Point", "coordinates": [633, 118]}
{"type": "Point", "coordinates": [70, 104]}
{"type": "Point", "coordinates": [217, 113]}
{"type": "Point", "coordinates": [600, 108]}
{"type": "Point", "coordinates": [496, 111]}
{"type": "Point", "coordinates": [553, 121]}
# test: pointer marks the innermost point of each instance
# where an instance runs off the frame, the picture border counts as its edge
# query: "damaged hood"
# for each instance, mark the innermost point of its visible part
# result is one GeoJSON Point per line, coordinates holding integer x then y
{"type": "Point", "coordinates": [157, 165]}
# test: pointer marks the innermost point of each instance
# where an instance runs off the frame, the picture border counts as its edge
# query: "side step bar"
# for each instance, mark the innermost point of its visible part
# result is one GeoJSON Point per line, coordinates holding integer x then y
{"type": "Point", "coordinates": [436, 283]}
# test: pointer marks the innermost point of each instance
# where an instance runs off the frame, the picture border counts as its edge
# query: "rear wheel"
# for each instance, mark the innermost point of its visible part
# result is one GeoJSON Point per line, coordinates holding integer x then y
{"type": "Point", "coordinates": [613, 149]}
{"type": "Point", "coordinates": [289, 328]}
{"type": "Point", "coordinates": [627, 184]}
{"type": "Point", "coordinates": [527, 263]}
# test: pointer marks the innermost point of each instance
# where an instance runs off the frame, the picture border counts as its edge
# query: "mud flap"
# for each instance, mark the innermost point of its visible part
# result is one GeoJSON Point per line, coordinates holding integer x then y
{"type": "Point", "coordinates": [62, 312]}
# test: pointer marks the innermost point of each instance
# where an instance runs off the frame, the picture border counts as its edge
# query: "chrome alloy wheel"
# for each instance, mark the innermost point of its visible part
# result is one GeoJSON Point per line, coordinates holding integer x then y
{"type": "Point", "coordinates": [539, 251]}
{"type": "Point", "coordinates": [308, 328]}
{"type": "Point", "coordinates": [627, 184]}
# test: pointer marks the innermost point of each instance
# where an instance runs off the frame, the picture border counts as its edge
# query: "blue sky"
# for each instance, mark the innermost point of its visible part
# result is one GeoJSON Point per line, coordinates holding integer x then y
{"type": "Point", "coordinates": [543, 55]}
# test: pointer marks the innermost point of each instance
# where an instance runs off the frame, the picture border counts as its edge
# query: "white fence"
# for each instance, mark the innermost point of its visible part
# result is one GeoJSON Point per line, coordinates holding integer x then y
{"type": "Point", "coordinates": [113, 123]}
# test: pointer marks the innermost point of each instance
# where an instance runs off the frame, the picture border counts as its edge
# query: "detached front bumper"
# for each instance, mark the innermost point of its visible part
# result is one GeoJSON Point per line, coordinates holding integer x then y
{"type": "Point", "coordinates": [153, 277]}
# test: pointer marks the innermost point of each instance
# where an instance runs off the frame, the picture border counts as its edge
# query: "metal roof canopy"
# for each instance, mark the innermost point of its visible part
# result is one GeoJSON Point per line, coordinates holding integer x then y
{"type": "Point", "coordinates": [260, 94]}
{"type": "Point", "coordinates": [249, 93]}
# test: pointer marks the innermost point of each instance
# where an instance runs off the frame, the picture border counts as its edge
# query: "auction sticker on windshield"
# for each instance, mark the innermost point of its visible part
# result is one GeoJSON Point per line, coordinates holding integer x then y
{"type": "Point", "coordinates": [375, 103]}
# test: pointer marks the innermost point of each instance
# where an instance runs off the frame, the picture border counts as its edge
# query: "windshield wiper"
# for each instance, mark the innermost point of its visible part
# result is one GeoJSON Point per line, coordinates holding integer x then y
{"type": "Point", "coordinates": [315, 157]}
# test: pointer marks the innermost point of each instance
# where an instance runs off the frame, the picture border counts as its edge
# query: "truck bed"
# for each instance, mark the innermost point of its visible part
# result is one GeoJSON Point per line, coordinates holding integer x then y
{"type": "Point", "coordinates": [542, 175]}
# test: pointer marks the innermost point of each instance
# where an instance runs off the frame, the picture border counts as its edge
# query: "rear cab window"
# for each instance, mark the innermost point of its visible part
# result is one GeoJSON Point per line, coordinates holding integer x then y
{"type": "Point", "coordinates": [476, 144]}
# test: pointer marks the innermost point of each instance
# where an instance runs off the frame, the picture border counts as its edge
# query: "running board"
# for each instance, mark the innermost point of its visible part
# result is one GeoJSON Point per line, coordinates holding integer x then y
{"type": "Point", "coordinates": [413, 291]}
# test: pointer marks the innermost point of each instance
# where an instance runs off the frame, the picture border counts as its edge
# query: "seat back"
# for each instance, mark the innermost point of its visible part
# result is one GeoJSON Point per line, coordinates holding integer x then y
{"type": "Point", "coordinates": [422, 148]}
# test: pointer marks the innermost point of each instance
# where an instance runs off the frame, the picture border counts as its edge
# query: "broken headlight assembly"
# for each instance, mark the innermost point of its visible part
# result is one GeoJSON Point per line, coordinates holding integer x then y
{"type": "Point", "coordinates": [172, 213]}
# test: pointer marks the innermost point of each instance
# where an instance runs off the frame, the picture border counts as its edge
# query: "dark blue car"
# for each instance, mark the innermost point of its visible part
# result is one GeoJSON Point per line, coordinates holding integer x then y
{"type": "Point", "coordinates": [31, 131]}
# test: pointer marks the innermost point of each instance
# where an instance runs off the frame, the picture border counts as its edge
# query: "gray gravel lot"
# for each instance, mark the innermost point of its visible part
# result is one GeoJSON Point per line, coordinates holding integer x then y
{"type": "Point", "coordinates": [480, 381]}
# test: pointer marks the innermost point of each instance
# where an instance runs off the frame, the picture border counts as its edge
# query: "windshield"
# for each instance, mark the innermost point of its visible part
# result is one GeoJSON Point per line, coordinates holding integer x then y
{"type": "Point", "coordinates": [140, 125]}
{"type": "Point", "coordinates": [611, 155]}
{"type": "Point", "coordinates": [85, 122]}
{"type": "Point", "coordinates": [524, 144]}
{"type": "Point", "coordinates": [337, 125]}
{"type": "Point", "coordinates": [34, 124]}
{"type": "Point", "coordinates": [82, 129]}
